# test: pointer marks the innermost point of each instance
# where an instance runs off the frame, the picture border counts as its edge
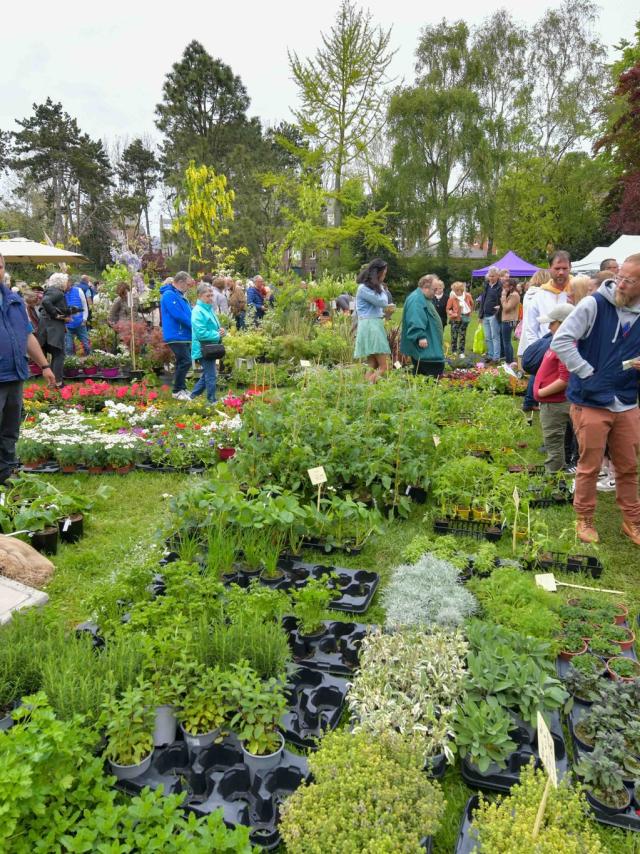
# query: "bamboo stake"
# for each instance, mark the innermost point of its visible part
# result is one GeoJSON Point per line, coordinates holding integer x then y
{"type": "Point", "coordinates": [541, 809]}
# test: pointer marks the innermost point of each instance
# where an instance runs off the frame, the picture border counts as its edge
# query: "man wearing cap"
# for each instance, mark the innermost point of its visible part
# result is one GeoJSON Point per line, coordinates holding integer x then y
{"type": "Point", "coordinates": [600, 345]}
{"type": "Point", "coordinates": [549, 387]}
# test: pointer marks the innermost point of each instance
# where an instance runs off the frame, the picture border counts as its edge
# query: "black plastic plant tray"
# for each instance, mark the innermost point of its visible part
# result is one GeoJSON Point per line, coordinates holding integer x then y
{"type": "Point", "coordinates": [558, 562]}
{"type": "Point", "coordinates": [152, 467]}
{"type": "Point", "coordinates": [217, 777]}
{"type": "Point", "coordinates": [466, 844]}
{"type": "Point", "coordinates": [335, 650]}
{"type": "Point", "coordinates": [316, 701]}
{"type": "Point", "coordinates": [45, 468]}
{"type": "Point", "coordinates": [356, 587]}
{"type": "Point", "coordinates": [322, 546]}
{"type": "Point", "coordinates": [475, 529]}
{"type": "Point", "coordinates": [503, 780]}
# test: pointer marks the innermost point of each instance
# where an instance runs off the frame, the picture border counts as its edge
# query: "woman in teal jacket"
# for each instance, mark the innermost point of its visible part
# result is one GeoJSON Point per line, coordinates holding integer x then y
{"type": "Point", "coordinates": [205, 327]}
{"type": "Point", "coordinates": [422, 330]}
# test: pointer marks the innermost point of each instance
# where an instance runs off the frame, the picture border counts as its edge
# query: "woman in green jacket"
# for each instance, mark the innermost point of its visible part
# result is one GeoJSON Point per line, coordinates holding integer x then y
{"type": "Point", "coordinates": [422, 330]}
{"type": "Point", "coordinates": [205, 327]}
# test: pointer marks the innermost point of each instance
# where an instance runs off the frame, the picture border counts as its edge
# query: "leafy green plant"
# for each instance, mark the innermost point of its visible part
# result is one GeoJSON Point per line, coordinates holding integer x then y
{"type": "Point", "coordinates": [207, 704]}
{"type": "Point", "coordinates": [252, 636]}
{"type": "Point", "coordinates": [482, 733]}
{"type": "Point", "coordinates": [369, 794]}
{"type": "Point", "coordinates": [601, 646]}
{"type": "Point", "coordinates": [260, 706]}
{"type": "Point", "coordinates": [625, 667]}
{"type": "Point", "coordinates": [310, 605]}
{"type": "Point", "coordinates": [21, 644]}
{"type": "Point", "coordinates": [584, 685]}
{"type": "Point", "coordinates": [603, 776]}
{"type": "Point", "coordinates": [128, 724]}
{"type": "Point", "coordinates": [222, 548]}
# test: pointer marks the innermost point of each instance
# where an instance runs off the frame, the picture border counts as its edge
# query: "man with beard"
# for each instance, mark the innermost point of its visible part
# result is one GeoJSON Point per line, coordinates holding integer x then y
{"type": "Point", "coordinates": [600, 345]}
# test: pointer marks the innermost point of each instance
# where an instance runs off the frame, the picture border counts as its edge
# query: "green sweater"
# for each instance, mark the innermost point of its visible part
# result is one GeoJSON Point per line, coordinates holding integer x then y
{"type": "Point", "coordinates": [420, 320]}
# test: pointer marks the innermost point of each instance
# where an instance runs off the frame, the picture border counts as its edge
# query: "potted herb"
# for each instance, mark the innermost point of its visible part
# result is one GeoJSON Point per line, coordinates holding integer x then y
{"type": "Point", "coordinates": [67, 457]}
{"type": "Point", "coordinates": [599, 645]}
{"type": "Point", "coordinates": [588, 664]}
{"type": "Point", "coordinates": [620, 635]}
{"type": "Point", "coordinates": [617, 751]}
{"type": "Point", "coordinates": [572, 643]}
{"type": "Point", "coordinates": [625, 669]}
{"type": "Point", "coordinates": [33, 453]}
{"type": "Point", "coordinates": [482, 734]}
{"type": "Point", "coordinates": [622, 612]}
{"type": "Point", "coordinates": [584, 686]}
{"type": "Point", "coordinates": [206, 708]}
{"type": "Point", "coordinates": [310, 605]}
{"type": "Point", "coordinates": [41, 522]}
{"type": "Point", "coordinates": [603, 779]}
{"type": "Point", "coordinates": [272, 574]}
{"type": "Point", "coordinates": [128, 724]}
{"type": "Point", "coordinates": [260, 707]}
{"type": "Point", "coordinates": [592, 725]}
{"type": "Point", "coordinates": [122, 457]}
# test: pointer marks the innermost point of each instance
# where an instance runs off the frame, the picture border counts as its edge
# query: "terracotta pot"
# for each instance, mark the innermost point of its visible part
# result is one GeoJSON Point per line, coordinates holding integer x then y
{"type": "Point", "coordinates": [34, 464]}
{"type": "Point", "coordinates": [123, 469]}
{"type": "Point", "coordinates": [565, 655]}
{"type": "Point", "coordinates": [615, 676]}
{"type": "Point", "coordinates": [623, 613]}
{"type": "Point", "coordinates": [95, 469]}
{"type": "Point", "coordinates": [68, 469]}
{"type": "Point", "coordinates": [627, 644]}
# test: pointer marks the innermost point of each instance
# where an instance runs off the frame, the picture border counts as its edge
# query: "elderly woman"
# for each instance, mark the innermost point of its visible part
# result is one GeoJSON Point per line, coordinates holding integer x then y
{"type": "Point", "coordinates": [205, 329]}
{"type": "Point", "coordinates": [121, 308]}
{"type": "Point", "coordinates": [53, 316]}
{"type": "Point", "coordinates": [459, 311]}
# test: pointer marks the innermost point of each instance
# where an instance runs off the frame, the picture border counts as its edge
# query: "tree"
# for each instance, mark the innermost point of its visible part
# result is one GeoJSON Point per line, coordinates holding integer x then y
{"type": "Point", "coordinates": [139, 171]}
{"type": "Point", "coordinates": [435, 129]}
{"type": "Point", "coordinates": [341, 90]}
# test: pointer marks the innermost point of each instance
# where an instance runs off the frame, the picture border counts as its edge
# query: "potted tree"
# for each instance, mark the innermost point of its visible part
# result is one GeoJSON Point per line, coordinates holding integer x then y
{"type": "Point", "coordinates": [128, 724]}
{"type": "Point", "coordinates": [603, 779]}
{"type": "Point", "coordinates": [260, 707]}
{"type": "Point", "coordinates": [206, 707]}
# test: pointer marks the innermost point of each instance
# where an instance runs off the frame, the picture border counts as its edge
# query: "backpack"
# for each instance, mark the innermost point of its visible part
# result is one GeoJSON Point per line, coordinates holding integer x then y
{"type": "Point", "coordinates": [534, 354]}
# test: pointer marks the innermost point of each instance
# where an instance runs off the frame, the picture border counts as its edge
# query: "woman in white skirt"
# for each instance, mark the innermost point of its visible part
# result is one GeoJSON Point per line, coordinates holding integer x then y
{"type": "Point", "coordinates": [372, 302]}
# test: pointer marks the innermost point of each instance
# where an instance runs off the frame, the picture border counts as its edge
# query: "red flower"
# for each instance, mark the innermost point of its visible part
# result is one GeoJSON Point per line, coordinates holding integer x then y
{"type": "Point", "coordinates": [66, 393]}
{"type": "Point", "coordinates": [153, 395]}
{"type": "Point", "coordinates": [197, 426]}
{"type": "Point", "coordinates": [180, 425]}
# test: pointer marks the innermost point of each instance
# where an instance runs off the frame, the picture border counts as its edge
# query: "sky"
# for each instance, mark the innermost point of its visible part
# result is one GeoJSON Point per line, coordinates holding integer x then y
{"type": "Point", "coordinates": [106, 61]}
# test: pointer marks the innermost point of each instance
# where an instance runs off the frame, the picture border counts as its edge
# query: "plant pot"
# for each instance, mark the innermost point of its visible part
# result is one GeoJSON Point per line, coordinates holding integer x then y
{"type": "Point", "coordinates": [6, 721]}
{"type": "Point", "coordinates": [565, 655]}
{"type": "Point", "coordinates": [197, 742]}
{"type": "Point", "coordinates": [68, 469]}
{"type": "Point", "coordinates": [611, 668]}
{"type": "Point", "coordinates": [623, 613]}
{"type": "Point", "coordinates": [45, 541]}
{"type": "Point", "coordinates": [627, 644]}
{"type": "Point", "coordinates": [229, 577]}
{"type": "Point", "coordinates": [585, 746]}
{"type": "Point", "coordinates": [90, 370]}
{"type": "Point", "coordinates": [95, 469]}
{"type": "Point", "coordinates": [273, 580]}
{"type": "Point", "coordinates": [34, 464]}
{"type": "Point", "coordinates": [110, 373]}
{"type": "Point", "coordinates": [226, 453]}
{"type": "Point", "coordinates": [123, 469]}
{"type": "Point", "coordinates": [493, 768]}
{"type": "Point", "coordinates": [164, 731]}
{"type": "Point", "coordinates": [610, 809]}
{"type": "Point", "coordinates": [434, 766]}
{"type": "Point", "coordinates": [71, 373]}
{"type": "Point", "coordinates": [71, 528]}
{"type": "Point", "coordinates": [129, 772]}
{"type": "Point", "coordinates": [259, 764]}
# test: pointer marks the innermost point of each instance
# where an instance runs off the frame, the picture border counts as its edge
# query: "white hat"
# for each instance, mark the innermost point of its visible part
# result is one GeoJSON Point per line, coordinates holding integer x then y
{"type": "Point", "coordinates": [558, 312]}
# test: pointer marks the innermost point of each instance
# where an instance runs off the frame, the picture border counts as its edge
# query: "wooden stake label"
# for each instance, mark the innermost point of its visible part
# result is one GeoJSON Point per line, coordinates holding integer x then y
{"type": "Point", "coordinates": [547, 751]}
{"type": "Point", "coordinates": [317, 475]}
{"type": "Point", "coordinates": [436, 440]}
{"type": "Point", "coordinates": [305, 363]}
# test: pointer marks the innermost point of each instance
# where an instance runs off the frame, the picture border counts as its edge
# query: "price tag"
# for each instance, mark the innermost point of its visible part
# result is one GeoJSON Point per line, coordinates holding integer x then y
{"type": "Point", "coordinates": [305, 363]}
{"type": "Point", "coordinates": [67, 525]}
{"type": "Point", "coordinates": [407, 490]}
{"type": "Point", "coordinates": [547, 750]}
{"type": "Point", "coordinates": [547, 581]}
{"type": "Point", "coordinates": [397, 365]}
{"type": "Point", "coordinates": [516, 497]}
{"type": "Point", "coordinates": [436, 440]}
{"type": "Point", "coordinates": [317, 475]}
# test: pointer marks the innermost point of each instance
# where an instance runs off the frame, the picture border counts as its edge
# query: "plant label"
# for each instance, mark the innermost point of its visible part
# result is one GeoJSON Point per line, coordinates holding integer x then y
{"type": "Point", "coordinates": [67, 525]}
{"type": "Point", "coordinates": [547, 750]}
{"type": "Point", "coordinates": [397, 365]}
{"type": "Point", "coordinates": [516, 497]}
{"type": "Point", "coordinates": [305, 363]}
{"type": "Point", "coordinates": [317, 475]}
{"type": "Point", "coordinates": [436, 440]}
{"type": "Point", "coordinates": [547, 581]}
{"type": "Point", "coordinates": [2, 499]}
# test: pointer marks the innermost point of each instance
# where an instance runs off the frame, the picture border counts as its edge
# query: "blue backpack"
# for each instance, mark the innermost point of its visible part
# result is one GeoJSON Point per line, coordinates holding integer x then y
{"type": "Point", "coordinates": [534, 354]}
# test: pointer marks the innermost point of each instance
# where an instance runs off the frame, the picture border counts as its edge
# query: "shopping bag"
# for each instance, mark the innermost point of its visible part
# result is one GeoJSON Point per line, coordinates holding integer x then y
{"type": "Point", "coordinates": [478, 340]}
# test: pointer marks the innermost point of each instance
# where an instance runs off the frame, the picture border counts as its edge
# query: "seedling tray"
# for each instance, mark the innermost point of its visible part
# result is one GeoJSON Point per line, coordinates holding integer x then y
{"type": "Point", "coordinates": [558, 562]}
{"type": "Point", "coordinates": [503, 780]}
{"type": "Point", "coordinates": [316, 701]}
{"type": "Point", "coordinates": [356, 587]}
{"type": "Point", "coordinates": [322, 546]}
{"type": "Point", "coordinates": [217, 777]}
{"type": "Point", "coordinates": [466, 843]}
{"type": "Point", "coordinates": [475, 529]}
{"type": "Point", "coordinates": [334, 650]}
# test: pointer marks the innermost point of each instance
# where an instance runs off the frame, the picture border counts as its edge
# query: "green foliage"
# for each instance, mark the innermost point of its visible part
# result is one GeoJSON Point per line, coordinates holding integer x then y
{"type": "Point", "coordinates": [370, 796]}
{"type": "Point", "coordinates": [207, 704]}
{"type": "Point", "coordinates": [128, 724]}
{"type": "Point", "coordinates": [310, 605]}
{"type": "Point", "coordinates": [260, 706]}
{"type": "Point", "coordinates": [482, 733]}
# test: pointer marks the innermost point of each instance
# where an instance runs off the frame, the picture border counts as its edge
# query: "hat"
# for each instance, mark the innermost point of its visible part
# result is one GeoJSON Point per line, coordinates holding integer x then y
{"type": "Point", "coordinates": [558, 312]}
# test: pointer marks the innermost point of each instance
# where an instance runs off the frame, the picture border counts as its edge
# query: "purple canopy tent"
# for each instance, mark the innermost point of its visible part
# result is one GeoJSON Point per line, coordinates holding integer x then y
{"type": "Point", "coordinates": [511, 262]}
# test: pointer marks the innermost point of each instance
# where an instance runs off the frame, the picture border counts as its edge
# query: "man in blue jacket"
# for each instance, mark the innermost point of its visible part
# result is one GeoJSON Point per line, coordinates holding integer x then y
{"type": "Point", "coordinates": [600, 345]}
{"type": "Point", "coordinates": [175, 311]}
{"type": "Point", "coordinates": [17, 342]}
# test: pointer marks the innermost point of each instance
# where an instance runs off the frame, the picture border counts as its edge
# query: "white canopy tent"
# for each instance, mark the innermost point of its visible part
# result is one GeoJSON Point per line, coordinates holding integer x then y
{"type": "Point", "coordinates": [21, 250]}
{"type": "Point", "coordinates": [625, 245]}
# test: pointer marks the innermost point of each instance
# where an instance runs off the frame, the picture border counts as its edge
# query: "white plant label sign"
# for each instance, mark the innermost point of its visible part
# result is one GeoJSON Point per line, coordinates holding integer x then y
{"type": "Point", "coordinates": [516, 497]}
{"type": "Point", "coordinates": [436, 440]}
{"type": "Point", "coordinates": [305, 363]}
{"type": "Point", "coordinates": [317, 475]}
{"type": "Point", "coordinates": [547, 581]}
{"type": "Point", "coordinates": [547, 750]}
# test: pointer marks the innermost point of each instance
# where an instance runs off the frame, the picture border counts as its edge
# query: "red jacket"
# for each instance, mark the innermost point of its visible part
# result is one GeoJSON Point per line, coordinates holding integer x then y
{"type": "Point", "coordinates": [550, 370]}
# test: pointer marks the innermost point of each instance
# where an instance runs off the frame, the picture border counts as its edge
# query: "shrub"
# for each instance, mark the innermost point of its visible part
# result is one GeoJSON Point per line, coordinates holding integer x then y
{"type": "Point", "coordinates": [368, 797]}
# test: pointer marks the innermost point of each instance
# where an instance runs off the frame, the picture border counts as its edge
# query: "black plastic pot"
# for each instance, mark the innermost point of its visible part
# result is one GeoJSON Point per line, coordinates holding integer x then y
{"type": "Point", "coordinates": [604, 807]}
{"type": "Point", "coordinates": [72, 528]}
{"type": "Point", "coordinates": [466, 843]}
{"type": "Point", "coordinates": [336, 650]}
{"type": "Point", "coordinates": [45, 541]}
{"type": "Point", "coordinates": [315, 701]}
{"type": "Point", "coordinates": [435, 766]}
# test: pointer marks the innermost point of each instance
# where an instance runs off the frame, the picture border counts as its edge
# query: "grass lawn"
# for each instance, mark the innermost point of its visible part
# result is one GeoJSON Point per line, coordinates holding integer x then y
{"type": "Point", "coordinates": [123, 529]}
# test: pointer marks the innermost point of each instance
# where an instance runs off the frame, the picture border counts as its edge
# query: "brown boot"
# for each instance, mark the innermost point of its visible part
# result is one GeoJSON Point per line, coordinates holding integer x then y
{"type": "Point", "coordinates": [631, 530]}
{"type": "Point", "coordinates": [586, 530]}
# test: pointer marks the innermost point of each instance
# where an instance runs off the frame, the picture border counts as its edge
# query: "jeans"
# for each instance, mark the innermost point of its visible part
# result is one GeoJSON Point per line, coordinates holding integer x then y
{"type": "Point", "coordinates": [491, 328]}
{"type": "Point", "coordinates": [529, 401]}
{"type": "Point", "coordinates": [621, 430]}
{"type": "Point", "coordinates": [182, 351]}
{"type": "Point", "coordinates": [10, 413]}
{"type": "Point", "coordinates": [207, 380]}
{"type": "Point", "coordinates": [506, 334]}
{"type": "Point", "coordinates": [241, 320]}
{"type": "Point", "coordinates": [81, 333]}
{"type": "Point", "coordinates": [554, 418]}
{"type": "Point", "coordinates": [56, 359]}
{"type": "Point", "coordinates": [458, 335]}
{"type": "Point", "coordinates": [428, 369]}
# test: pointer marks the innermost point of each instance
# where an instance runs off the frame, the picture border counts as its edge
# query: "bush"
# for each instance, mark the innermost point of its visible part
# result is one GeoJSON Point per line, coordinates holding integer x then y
{"type": "Point", "coordinates": [368, 797]}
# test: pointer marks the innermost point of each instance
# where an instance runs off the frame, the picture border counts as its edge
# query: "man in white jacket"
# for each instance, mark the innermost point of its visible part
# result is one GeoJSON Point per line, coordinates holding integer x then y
{"type": "Point", "coordinates": [549, 295]}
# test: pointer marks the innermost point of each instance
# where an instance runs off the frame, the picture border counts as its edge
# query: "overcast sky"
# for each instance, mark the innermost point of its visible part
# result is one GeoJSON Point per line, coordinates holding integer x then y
{"type": "Point", "coordinates": [106, 61]}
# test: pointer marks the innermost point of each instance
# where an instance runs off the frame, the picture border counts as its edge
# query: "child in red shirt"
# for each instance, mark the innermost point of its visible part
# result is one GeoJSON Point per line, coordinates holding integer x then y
{"type": "Point", "coordinates": [549, 390]}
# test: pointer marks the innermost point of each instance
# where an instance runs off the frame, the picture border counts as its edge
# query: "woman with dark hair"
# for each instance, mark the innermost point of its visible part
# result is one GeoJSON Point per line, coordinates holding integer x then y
{"type": "Point", "coordinates": [510, 309]}
{"type": "Point", "coordinates": [372, 301]}
{"type": "Point", "coordinates": [120, 310]}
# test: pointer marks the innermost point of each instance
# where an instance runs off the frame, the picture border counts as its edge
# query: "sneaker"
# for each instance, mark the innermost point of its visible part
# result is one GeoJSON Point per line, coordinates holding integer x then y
{"type": "Point", "coordinates": [631, 530]}
{"type": "Point", "coordinates": [586, 531]}
{"type": "Point", "coordinates": [181, 395]}
{"type": "Point", "coordinates": [528, 417]}
{"type": "Point", "coordinates": [606, 484]}
{"type": "Point", "coordinates": [570, 469]}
